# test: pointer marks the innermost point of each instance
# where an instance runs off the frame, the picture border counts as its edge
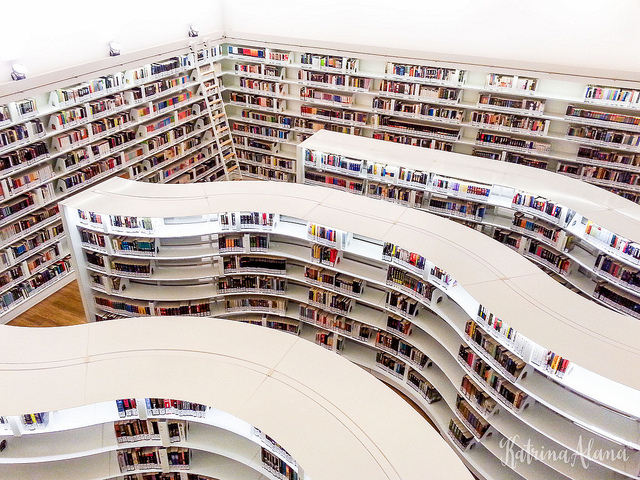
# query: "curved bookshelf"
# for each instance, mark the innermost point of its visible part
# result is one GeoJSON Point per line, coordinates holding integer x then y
{"type": "Point", "coordinates": [277, 382]}
{"type": "Point", "coordinates": [578, 233]}
{"type": "Point", "coordinates": [431, 326]}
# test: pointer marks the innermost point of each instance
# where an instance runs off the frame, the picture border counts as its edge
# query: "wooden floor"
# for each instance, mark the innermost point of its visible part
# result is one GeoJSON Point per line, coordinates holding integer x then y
{"type": "Point", "coordinates": [59, 309]}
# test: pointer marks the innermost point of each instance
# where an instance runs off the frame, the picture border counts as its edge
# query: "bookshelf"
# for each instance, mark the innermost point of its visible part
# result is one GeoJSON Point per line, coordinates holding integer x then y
{"type": "Point", "coordinates": [539, 119]}
{"type": "Point", "coordinates": [246, 366]}
{"type": "Point", "coordinates": [423, 330]}
{"type": "Point", "coordinates": [529, 211]}
{"type": "Point", "coordinates": [161, 121]}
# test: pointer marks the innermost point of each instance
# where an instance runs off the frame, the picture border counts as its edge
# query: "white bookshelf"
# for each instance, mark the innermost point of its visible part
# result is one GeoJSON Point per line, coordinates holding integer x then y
{"type": "Point", "coordinates": [286, 387]}
{"type": "Point", "coordinates": [149, 122]}
{"type": "Point", "coordinates": [463, 275]}
{"type": "Point", "coordinates": [497, 199]}
{"type": "Point", "coordinates": [529, 106]}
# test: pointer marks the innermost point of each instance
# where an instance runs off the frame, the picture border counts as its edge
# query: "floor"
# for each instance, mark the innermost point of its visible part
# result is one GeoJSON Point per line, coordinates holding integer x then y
{"type": "Point", "coordinates": [64, 307]}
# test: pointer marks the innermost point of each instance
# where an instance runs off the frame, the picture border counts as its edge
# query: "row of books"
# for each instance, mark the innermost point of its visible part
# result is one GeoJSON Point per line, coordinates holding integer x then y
{"type": "Point", "coordinates": [250, 282]}
{"type": "Point", "coordinates": [261, 130]}
{"type": "Point", "coordinates": [402, 303]}
{"type": "Point", "coordinates": [400, 277]}
{"type": "Point", "coordinates": [401, 325]}
{"type": "Point", "coordinates": [418, 109]}
{"type": "Point", "coordinates": [425, 388]}
{"type": "Point", "coordinates": [308, 93]}
{"type": "Point", "coordinates": [362, 83]}
{"type": "Point", "coordinates": [331, 61]}
{"type": "Point", "coordinates": [333, 181]}
{"type": "Point", "coordinates": [477, 395]}
{"type": "Point", "coordinates": [234, 263]}
{"type": "Point", "coordinates": [130, 222]}
{"type": "Point", "coordinates": [418, 128]}
{"type": "Point", "coordinates": [415, 141]}
{"type": "Point", "coordinates": [122, 306]}
{"type": "Point", "coordinates": [334, 114]}
{"type": "Point", "coordinates": [479, 425]}
{"type": "Point", "coordinates": [331, 300]}
{"type": "Point", "coordinates": [573, 111]}
{"type": "Point", "coordinates": [501, 354]}
{"type": "Point", "coordinates": [511, 82]}
{"type": "Point", "coordinates": [629, 276]}
{"type": "Point", "coordinates": [560, 262]}
{"type": "Point", "coordinates": [508, 141]}
{"type": "Point", "coordinates": [246, 220]}
{"type": "Point", "coordinates": [263, 85]}
{"type": "Point", "coordinates": [451, 95]}
{"type": "Point", "coordinates": [137, 269]}
{"type": "Point", "coordinates": [138, 430]}
{"type": "Point", "coordinates": [425, 72]}
{"type": "Point", "coordinates": [248, 99]}
{"type": "Point", "coordinates": [460, 187]}
{"type": "Point", "coordinates": [257, 304]}
{"type": "Point", "coordinates": [529, 104]}
{"type": "Point", "coordinates": [618, 299]}
{"type": "Point", "coordinates": [537, 203]}
{"type": "Point", "coordinates": [86, 174]}
{"type": "Point", "coordinates": [337, 280]}
{"type": "Point", "coordinates": [458, 208]}
{"type": "Point", "coordinates": [277, 465]}
{"type": "Point", "coordinates": [553, 234]}
{"type": "Point", "coordinates": [325, 255]}
{"type": "Point", "coordinates": [167, 406]}
{"type": "Point", "coordinates": [200, 309]}
{"type": "Point", "coordinates": [394, 252]}
{"type": "Point", "coordinates": [28, 155]}
{"type": "Point", "coordinates": [394, 194]}
{"type": "Point", "coordinates": [598, 134]}
{"type": "Point", "coordinates": [29, 287]}
{"type": "Point", "coordinates": [34, 241]}
{"type": "Point", "coordinates": [390, 364]}
{"type": "Point", "coordinates": [42, 258]}
{"type": "Point", "coordinates": [260, 69]}
{"type": "Point", "coordinates": [531, 124]}
{"type": "Point", "coordinates": [281, 120]}
{"type": "Point", "coordinates": [267, 160]}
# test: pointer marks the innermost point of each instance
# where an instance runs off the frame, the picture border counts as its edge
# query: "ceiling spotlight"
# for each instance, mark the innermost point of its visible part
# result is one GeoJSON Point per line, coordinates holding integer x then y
{"type": "Point", "coordinates": [114, 49]}
{"type": "Point", "coordinates": [18, 71]}
{"type": "Point", "coordinates": [194, 30]}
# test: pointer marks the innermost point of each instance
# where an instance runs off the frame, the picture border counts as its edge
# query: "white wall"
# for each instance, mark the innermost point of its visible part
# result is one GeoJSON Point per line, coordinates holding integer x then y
{"type": "Point", "coordinates": [48, 35]}
{"type": "Point", "coordinates": [581, 33]}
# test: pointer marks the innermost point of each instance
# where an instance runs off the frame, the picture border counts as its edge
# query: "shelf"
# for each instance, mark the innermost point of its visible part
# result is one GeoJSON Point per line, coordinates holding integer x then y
{"type": "Point", "coordinates": [264, 364]}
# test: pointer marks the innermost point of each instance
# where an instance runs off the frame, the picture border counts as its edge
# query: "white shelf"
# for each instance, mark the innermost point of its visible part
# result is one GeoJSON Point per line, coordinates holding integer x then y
{"type": "Point", "coordinates": [283, 385]}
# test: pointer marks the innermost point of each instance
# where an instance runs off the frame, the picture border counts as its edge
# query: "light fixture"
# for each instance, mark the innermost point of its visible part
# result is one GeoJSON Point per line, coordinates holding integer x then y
{"type": "Point", "coordinates": [194, 30]}
{"type": "Point", "coordinates": [114, 48]}
{"type": "Point", "coordinates": [18, 71]}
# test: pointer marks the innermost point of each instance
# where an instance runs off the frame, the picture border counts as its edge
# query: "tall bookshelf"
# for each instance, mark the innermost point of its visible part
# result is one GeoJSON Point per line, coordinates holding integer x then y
{"type": "Point", "coordinates": [476, 335]}
{"type": "Point", "coordinates": [252, 410]}
{"type": "Point", "coordinates": [530, 211]}
{"type": "Point", "coordinates": [586, 128]}
{"type": "Point", "coordinates": [160, 121]}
